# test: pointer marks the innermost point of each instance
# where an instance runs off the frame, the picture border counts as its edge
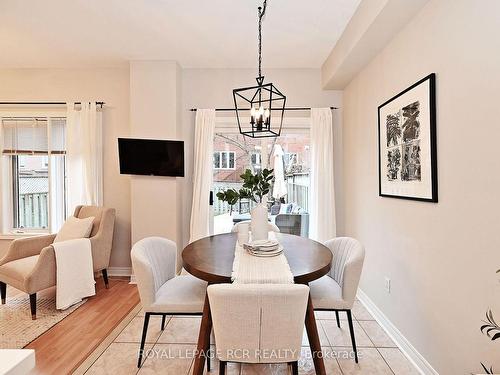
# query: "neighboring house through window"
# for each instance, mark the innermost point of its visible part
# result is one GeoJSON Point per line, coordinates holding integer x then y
{"type": "Point", "coordinates": [224, 160]}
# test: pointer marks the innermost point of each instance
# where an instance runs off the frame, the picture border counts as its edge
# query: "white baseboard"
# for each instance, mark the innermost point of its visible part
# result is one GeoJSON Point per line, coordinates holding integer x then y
{"type": "Point", "coordinates": [119, 271]}
{"type": "Point", "coordinates": [122, 271]}
{"type": "Point", "coordinates": [402, 342]}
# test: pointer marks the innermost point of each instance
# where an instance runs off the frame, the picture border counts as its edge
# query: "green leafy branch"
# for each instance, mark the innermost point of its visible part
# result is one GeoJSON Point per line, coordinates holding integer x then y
{"type": "Point", "coordinates": [491, 328]}
{"type": "Point", "coordinates": [255, 187]}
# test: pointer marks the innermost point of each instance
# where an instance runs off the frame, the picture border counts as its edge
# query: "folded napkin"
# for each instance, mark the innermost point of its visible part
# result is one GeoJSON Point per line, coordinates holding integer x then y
{"type": "Point", "coordinates": [262, 246]}
{"type": "Point", "coordinates": [264, 268]}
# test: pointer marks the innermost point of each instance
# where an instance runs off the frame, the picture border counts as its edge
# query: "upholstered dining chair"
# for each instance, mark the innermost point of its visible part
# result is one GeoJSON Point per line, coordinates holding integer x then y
{"type": "Point", "coordinates": [336, 291]}
{"type": "Point", "coordinates": [258, 323]}
{"type": "Point", "coordinates": [272, 227]}
{"type": "Point", "coordinates": [161, 291]}
{"type": "Point", "coordinates": [30, 263]}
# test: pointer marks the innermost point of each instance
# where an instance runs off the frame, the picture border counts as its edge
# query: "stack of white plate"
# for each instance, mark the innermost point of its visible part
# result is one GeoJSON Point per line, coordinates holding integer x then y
{"type": "Point", "coordinates": [264, 248]}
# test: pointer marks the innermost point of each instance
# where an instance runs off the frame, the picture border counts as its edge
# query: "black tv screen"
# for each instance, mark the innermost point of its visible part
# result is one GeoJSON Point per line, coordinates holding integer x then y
{"type": "Point", "coordinates": [151, 157]}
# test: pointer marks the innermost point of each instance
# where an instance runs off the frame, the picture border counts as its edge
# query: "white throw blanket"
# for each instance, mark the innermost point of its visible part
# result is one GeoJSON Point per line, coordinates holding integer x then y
{"type": "Point", "coordinates": [249, 269]}
{"type": "Point", "coordinates": [74, 272]}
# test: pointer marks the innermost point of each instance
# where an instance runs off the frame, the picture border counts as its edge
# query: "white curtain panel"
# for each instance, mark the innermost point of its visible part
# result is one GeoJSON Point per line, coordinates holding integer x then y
{"type": "Point", "coordinates": [83, 156]}
{"type": "Point", "coordinates": [202, 176]}
{"type": "Point", "coordinates": [322, 225]}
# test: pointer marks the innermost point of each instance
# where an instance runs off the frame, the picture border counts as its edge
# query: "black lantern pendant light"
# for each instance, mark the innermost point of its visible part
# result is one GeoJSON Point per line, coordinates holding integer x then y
{"type": "Point", "coordinates": [264, 102]}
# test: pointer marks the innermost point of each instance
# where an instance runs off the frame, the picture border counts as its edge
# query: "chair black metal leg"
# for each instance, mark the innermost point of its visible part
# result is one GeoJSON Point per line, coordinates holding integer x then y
{"type": "Point", "coordinates": [295, 368]}
{"type": "Point", "coordinates": [222, 368]}
{"type": "Point", "coordinates": [163, 317]}
{"type": "Point", "coordinates": [351, 329]}
{"type": "Point", "coordinates": [33, 305]}
{"type": "Point", "coordinates": [105, 277]}
{"type": "Point", "coordinates": [3, 291]}
{"type": "Point", "coordinates": [338, 319]}
{"type": "Point", "coordinates": [143, 339]}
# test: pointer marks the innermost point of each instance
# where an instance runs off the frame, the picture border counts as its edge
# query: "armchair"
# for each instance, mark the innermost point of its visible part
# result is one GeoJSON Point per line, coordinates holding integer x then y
{"type": "Point", "coordinates": [30, 263]}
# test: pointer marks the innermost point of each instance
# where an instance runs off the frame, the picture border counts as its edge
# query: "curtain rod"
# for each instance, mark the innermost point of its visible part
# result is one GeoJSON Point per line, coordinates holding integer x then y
{"type": "Point", "coordinates": [36, 118]}
{"type": "Point", "coordinates": [272, 109]}
{"type": "Point", "coordinates": [44, 103]}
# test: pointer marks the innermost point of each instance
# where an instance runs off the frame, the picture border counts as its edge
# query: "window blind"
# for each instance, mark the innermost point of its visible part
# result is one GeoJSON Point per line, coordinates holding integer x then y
{"type": "Point", "coordinates": [31, 136]}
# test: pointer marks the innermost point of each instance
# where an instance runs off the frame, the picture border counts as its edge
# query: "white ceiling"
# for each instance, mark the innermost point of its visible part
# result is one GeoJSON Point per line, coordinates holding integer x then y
{"type": "Point", "coordinates": [196, 33]}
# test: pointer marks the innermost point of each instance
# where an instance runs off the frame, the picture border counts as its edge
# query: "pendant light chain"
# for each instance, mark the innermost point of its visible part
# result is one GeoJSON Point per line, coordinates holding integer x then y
{"type": "Point", "coordinates": [262, 11]}
{"type": "Point", "coordinates": [260, 100]}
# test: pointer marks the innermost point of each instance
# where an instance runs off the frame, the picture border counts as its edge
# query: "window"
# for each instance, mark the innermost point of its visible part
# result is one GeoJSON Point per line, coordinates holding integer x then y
{"type": "Point", "coordinates": [256, 159]}
{"type": "Point", "coordinates": [33, 167]}
{"type": "Point", "coordinates": [255, 154]}
{"type": "Point", "coordinates": [30, 184]}
{"type": "Point", "coordinates": [224, 160]}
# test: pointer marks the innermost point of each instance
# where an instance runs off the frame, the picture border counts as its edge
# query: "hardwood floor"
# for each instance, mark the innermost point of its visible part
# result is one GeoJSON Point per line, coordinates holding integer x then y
{"type": "Point", "coordinates": [65, 346]}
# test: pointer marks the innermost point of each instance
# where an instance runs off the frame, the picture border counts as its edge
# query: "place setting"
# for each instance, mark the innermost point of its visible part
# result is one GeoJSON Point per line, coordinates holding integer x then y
{"type": "Point", "coordinates": [264, 248]}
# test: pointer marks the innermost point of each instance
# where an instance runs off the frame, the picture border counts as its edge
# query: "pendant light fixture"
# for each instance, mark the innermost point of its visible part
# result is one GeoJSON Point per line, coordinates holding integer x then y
{"type": "Point", "coordinates": [265, 103]}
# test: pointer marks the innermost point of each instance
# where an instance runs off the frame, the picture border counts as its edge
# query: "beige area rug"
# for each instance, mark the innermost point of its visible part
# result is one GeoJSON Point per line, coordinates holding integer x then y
{"type": "Point", "coordinates": [17, 329]}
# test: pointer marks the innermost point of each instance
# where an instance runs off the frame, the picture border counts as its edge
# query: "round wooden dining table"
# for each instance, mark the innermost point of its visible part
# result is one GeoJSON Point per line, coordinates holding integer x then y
{"type": "Point", "coordinates": [211, 259]}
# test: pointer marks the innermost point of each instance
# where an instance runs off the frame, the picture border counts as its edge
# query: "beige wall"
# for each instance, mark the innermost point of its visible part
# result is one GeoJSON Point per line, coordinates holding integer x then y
{"type": "Point", "coordinates": [440, 257]}
{"type": "Point", "coordinates": [154, 103]}
{"type": "Point", "coordinates": [108, 85]}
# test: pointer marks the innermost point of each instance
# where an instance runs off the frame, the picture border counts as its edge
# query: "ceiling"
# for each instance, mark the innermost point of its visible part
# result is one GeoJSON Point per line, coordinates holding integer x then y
{"type": "Point", "coordinates": [198, 34]}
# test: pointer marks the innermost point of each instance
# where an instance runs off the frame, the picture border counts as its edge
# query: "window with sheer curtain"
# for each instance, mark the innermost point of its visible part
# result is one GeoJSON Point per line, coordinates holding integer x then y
{"type": "Point", "coordinates": [33, 174]}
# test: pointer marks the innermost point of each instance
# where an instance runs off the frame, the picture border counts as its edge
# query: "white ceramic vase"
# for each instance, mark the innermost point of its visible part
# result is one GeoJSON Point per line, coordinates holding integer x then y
{"type": "Point", "coordinates": [259, 224]}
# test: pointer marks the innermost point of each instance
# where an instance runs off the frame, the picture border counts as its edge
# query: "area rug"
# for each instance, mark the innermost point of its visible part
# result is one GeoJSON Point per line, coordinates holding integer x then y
{"type": "Point", "coordinates": [17, 329]}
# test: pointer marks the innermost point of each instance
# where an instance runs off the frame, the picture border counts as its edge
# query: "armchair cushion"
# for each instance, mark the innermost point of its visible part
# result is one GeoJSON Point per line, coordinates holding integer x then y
{"type": "Point", "coordinates": [75, 228]}
{"type": "Point", "coordinates": [96, 212]}
{"type": "Point", "coordinates": [326, 293]}
{"type": "Point", "coordinates": [183, 294]}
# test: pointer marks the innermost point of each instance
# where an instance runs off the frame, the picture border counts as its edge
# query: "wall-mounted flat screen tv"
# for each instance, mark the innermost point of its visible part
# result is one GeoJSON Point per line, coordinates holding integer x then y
{"type": "Point", "coordinates": [151, 157]}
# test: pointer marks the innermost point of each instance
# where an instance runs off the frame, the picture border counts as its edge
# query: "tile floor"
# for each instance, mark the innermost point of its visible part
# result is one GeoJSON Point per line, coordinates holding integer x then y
{"type": "Point", "coordinates": [172, 349]}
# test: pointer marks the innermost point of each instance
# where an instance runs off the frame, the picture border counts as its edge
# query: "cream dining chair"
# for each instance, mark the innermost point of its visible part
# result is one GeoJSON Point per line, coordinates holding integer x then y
{"type": "Point", "coordinates": [258, 323]}
{"type": "Point", "coordinates": [336, 291]}
{"type": "Point", "coordinates": [161, 291]}
{"type": "Point", "coordinates": [272, 227]}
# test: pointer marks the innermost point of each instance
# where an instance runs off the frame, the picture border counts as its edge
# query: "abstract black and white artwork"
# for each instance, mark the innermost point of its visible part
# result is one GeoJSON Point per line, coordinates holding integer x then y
{"type": "Point", "coordinates": [407, 143]}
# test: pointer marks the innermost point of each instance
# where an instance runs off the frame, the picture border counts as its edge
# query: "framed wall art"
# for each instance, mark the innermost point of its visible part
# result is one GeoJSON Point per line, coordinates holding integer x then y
{"type": "Point", "coordinates": [407, 143]}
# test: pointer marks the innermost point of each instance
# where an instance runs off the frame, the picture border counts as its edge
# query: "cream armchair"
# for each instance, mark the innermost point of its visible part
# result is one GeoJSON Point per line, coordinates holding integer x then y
{"type": "Point", "coordinates": [30, 263]}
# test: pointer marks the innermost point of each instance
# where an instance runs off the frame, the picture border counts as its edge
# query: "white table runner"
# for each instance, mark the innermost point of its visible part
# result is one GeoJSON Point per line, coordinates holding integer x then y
{"type": "Point", "coordinates": [249, 269]}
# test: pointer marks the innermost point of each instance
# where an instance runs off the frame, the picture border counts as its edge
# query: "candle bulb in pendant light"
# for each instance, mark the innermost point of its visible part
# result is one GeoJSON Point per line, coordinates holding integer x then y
{"type": "Point", "coordinates": [252, 112]}
{"type": "Point", "coordinates": [266, 113]}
